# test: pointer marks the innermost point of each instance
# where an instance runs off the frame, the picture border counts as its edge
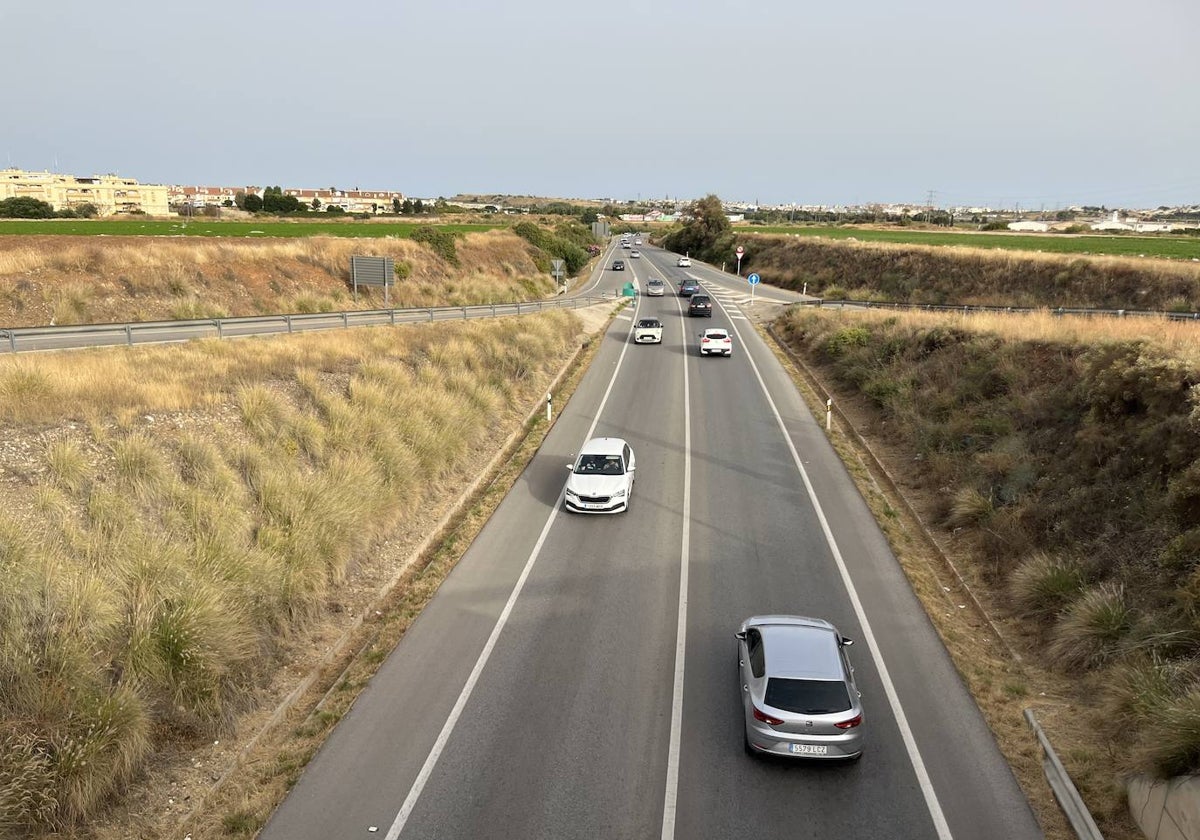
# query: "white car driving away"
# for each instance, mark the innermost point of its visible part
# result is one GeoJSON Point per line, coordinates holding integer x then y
{"type": "Point", "coordinates": [684, 262]}
{"type": "Point", "coordinates": [601, 479]}
{"type": "Point", "coordinates": [715, 341]}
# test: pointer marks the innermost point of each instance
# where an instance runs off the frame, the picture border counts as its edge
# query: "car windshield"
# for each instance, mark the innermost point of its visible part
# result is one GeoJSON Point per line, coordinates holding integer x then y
{"type": "Point", "coordinates": [599, 465]}
{"type": "Point", "coordinates": [649, 322]}
{"type": "Point", "coordinates": [808, 697]}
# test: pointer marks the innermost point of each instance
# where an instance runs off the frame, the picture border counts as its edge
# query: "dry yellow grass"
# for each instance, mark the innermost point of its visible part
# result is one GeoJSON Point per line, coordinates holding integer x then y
{"type": "Point", "coordinates": [1179, 338]}
{"type": "Point", "coordinates": [212, 502]}
{"type": "Point", "coordinates": [82, 280]}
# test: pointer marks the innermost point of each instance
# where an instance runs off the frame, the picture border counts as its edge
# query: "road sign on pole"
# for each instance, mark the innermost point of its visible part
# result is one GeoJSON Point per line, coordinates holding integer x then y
{"type": "Point", "coordinates": [752, 279]}
{"type": "Point", "coordinates": [739, 250]}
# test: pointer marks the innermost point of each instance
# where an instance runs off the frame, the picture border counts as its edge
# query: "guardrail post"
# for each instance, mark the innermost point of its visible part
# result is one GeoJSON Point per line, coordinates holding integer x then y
{"type": "Point", "coordinates": [220, 327]}
{"type": "Point", "coordinates": [129, 334]}
{"type": "Point", "coordinates": [392, 313]}
{"type": "Point", "coordinates": [464, 313]}
{"type": "Point", "coordinates": [518, 307]}
{"type": "Point", "coordinates": [288, 320]}
{"type": "Point", "coordinates": [12, 341]}
{"type": "Point", "coordinates": [346, 320]}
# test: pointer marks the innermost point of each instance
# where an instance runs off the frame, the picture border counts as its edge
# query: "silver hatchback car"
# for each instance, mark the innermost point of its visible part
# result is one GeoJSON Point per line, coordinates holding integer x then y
{"type": "Point", "coordinates": [798, 692]}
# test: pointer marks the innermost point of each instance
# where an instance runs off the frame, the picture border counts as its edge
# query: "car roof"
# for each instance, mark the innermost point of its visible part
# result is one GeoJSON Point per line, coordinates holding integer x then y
{"type": "Point", "coordinates": [655, 280]}
{"type": "Point", "coordinates": [801, 650]}
{"type": "Point", "coordinates": [603, 446]}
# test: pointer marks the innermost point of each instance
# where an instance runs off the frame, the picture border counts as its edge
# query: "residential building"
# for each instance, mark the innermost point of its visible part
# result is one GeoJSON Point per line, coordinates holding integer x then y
{"type": "Point", "coordinates": [109, 194]}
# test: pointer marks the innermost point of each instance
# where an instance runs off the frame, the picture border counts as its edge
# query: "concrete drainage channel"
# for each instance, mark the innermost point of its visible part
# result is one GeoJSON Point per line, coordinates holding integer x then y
{"type": "Point", "coordinates": [1065, 792]}
{"type": "Point", "coordinates": [339, 649]}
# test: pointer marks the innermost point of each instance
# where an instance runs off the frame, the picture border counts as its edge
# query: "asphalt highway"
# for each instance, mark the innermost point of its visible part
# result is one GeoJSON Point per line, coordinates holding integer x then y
{"type": "Point", "coordinates": [575, 676]}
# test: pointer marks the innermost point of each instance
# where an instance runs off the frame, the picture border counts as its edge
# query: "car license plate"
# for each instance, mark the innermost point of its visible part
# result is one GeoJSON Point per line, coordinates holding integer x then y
{"type": "Point", "coordinates": [808, 749]}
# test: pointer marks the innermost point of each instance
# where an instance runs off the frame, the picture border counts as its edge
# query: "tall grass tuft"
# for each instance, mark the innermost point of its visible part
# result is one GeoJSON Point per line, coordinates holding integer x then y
{"type": "Point", "coordinates": [969, 508]}
{"type": "Point", "coordinates": [28, 789]}
{"type": "Point", "coordinates": [68, 465]}
{"type": "Point", "coordinates": [1093, 629]}
{"type": "Point", "coordinates": [1171, 746]}
{"type": "Point", "coordinates": [1044, 584]}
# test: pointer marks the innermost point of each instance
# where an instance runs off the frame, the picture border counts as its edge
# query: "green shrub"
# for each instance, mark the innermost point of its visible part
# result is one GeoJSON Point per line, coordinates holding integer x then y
{"type": "Point", "coordinates": [443, 242]}
{"type": "Point", "coordinates": [845, 338]}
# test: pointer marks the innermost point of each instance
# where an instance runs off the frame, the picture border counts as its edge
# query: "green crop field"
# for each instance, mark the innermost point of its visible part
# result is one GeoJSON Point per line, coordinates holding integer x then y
{"type": "Point", "coordinates": [1165, 247]}
{"type": "Point", "coordinates": [213, 227]}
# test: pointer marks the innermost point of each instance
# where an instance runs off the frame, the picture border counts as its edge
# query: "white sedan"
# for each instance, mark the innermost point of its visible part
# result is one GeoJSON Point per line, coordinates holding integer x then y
{"type": "Point", "coordinates": [601, 479]}
{"type": "Point", "coordinates": [714, 341]}
{"type": "Point", "coordinates": [684, 262]}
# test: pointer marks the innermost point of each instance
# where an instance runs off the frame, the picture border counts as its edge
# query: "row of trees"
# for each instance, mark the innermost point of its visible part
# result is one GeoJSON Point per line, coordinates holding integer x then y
{"type": "Point", "coordinates": [25, 207]}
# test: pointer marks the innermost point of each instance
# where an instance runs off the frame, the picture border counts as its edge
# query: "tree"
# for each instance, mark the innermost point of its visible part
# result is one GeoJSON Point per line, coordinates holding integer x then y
{"type": "Point", "coordinates": [707, 234]}
{"type": "Point", "coordinates": [316, 203]}
{"type": "Point", "coordinates": [396, 206]}
{"type": "Point", "coordinates": [407, 207]}
{"type": "Point", "coordinates": [590, 216]}
{"type": "Point", "coordinates": [25, 207]}
{"type": "Point", "coordinates": [252, 203]}
{"type": "Point", "coordinates": [239, 199]}
{"type": "Point", "coordinates": [335, 209]}
{"type": "Point", "coordinates": [418, 207]}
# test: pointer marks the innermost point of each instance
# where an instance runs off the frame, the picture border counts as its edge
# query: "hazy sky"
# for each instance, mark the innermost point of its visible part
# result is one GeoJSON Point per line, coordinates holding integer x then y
{"type": "Point", "coordinates": [1029, 102]}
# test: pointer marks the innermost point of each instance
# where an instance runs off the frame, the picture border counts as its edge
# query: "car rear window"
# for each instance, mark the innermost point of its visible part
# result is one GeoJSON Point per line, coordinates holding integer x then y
{"type": "Point", "coordinates": [719, 336]}
{"type": "Point", "coordinates": [700, 299]}
{"type": "Point", "coordinates": [808, 697]}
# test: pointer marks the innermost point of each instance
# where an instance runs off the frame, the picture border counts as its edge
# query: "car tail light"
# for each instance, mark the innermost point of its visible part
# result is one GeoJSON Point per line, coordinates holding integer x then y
{"type": "Point", "coordinates": [759, 714]}
{"type": "Point", "coordinates": [704, 341]}
{"type": "Point", "coordinates": [849, 724]}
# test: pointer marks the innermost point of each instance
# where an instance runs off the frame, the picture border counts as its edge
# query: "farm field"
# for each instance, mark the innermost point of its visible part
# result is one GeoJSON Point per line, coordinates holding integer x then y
{"type": "Point", "coordinates": [216, 227]}
{"type": "Point", "coordinates": [1161, 247]}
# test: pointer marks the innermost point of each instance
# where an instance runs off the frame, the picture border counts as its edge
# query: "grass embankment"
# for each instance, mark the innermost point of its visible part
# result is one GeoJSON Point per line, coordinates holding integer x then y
{"type": "Point", "coordinates": [172, 517]}
{"type": "Point", "coordinates": [76, 280]}
{"type": "Point", "coordinates": [1162, 246]}
{"type": "Point", "coordinates": [1061, 457]}
{"type": "Point", "coordinates": [914, 274]}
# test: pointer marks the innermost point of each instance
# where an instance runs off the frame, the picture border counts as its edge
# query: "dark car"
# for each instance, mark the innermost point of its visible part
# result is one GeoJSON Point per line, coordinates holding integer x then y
{"type": "Point", "coordinates": [688, 288]}
{"type": "Point", "coordinates": [700, 305]}
{"type": "Point", "coordinates": [618, 265]}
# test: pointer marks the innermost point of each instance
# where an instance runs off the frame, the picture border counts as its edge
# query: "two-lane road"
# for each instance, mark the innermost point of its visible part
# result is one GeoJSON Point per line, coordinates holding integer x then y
{"type": "Point", "coordinates": [575, 676]}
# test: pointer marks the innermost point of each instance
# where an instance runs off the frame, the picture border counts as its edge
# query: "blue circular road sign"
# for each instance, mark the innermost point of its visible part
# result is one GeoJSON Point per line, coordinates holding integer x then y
{"type": "Point", "coordinates": [753, 278]}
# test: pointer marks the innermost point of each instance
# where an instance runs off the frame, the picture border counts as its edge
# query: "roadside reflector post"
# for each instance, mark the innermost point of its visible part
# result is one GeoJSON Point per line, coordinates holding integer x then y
{"type": "Point", "coordinates": [549, 407]}
{"type": "Point", "coordinates": [828, 414]}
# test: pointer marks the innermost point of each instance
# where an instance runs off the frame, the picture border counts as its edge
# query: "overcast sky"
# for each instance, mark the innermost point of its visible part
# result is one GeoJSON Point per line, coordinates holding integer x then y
{"type": "Point", "coordinates": [1002, 103]}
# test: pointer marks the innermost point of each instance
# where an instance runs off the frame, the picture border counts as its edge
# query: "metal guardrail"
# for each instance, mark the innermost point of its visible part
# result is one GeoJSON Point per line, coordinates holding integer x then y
{"type": "Point", "coordinates": [966, 309]}
{"type": "Point", "coordinates": [16, 339]}
{"type": "Point", "coordinates": [1064, 789]}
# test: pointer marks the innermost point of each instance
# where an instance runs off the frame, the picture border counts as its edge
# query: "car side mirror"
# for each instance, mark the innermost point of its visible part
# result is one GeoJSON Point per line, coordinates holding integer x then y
{"type": "Point", "coordinates": [570, 466]}
{"type": "Point", "coordinates": [740, 635]}
{"type": "Point", "coordinates": [846, 642]}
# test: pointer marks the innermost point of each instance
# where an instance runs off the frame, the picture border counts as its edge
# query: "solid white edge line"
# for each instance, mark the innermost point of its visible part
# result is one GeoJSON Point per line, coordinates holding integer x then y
{"type": "Point", "coordinates": [910, 742]}
{"type": "Point", "coordinates": [671, 796]}
{"type": "Point", "coordinates": [418, 786]}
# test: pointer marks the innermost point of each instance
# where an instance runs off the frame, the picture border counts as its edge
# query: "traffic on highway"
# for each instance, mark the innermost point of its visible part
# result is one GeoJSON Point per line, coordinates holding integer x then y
{"type": "Point", "coordinates": [733, 652]}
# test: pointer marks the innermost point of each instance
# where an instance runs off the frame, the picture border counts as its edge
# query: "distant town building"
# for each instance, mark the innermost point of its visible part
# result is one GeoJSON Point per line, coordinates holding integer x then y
{"type": "Point", "coordinates": [1029, 226]}
{"type": "Point", "coordinates": [109, 194]}
{"type": "Point", "coordinates": [352, 201]}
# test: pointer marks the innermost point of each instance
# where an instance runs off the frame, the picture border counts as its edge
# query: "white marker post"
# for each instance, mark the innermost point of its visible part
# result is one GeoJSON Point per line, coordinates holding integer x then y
{"type": "Point", "coordinates": [828, 414]}
{"type": "Point", "coordinates": [549, 407]}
